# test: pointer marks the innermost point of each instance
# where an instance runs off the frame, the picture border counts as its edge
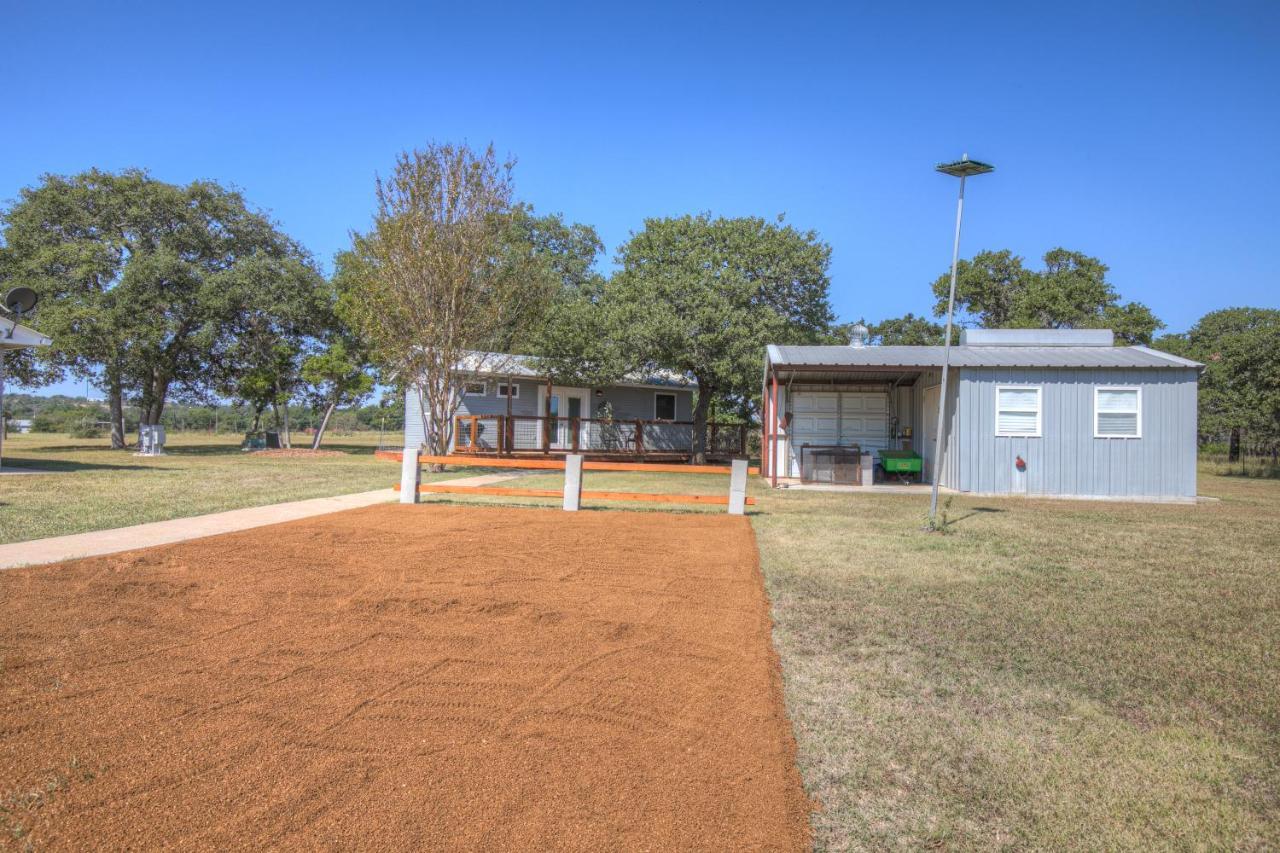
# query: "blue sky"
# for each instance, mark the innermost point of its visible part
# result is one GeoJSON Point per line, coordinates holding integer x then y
{"type": "Point", "coordinates": [1150, 141]}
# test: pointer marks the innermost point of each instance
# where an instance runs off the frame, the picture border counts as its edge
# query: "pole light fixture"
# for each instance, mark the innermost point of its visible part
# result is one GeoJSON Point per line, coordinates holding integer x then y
{"type": "Point", "coordinates": [962, 169]}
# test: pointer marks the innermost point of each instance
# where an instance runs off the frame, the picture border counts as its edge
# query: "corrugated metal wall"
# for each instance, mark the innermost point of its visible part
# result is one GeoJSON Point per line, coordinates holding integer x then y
{"type": "Point", "coordinates": [1067, 460]}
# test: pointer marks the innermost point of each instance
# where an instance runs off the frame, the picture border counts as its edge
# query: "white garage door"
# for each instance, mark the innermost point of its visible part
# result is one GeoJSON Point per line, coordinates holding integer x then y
{"type": "Point", "coordinates": [840, 417]}
{"type": "Point", "coordinates": [864, 420]}
{"type": "Point", "coordinates": [815, 418]}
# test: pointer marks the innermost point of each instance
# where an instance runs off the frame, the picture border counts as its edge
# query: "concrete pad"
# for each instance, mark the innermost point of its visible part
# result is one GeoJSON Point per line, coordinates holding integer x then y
{"type": "Point", "coordinates": [58, 548]}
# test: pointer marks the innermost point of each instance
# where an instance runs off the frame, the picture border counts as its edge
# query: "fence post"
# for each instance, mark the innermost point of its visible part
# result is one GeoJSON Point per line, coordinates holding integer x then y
{"type": "Point", "coordinates": [738, 487]}
{"type": "Point", "coordinates": [410, 474]}
{"type": "Point", "coordinates": [572, 482]}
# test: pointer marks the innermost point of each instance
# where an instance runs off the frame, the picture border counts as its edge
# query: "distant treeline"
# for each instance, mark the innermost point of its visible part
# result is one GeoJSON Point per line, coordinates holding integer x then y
{"type": "Point", "coordinates": [83, 417]}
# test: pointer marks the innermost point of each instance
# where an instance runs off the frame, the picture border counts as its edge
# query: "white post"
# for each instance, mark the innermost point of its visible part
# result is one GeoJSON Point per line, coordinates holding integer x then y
{"type": "Point", "coordinates": [738, 487]}
{"type": "Point", "coordinates": [572, 482]}
{"type": "Point", "coordinates": [410, 476]}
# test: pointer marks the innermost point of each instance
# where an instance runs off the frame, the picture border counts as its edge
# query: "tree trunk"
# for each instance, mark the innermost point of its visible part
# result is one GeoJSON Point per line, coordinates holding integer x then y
{"type": "Point", "coordinates": [284, 436]}
{"type": "Point", "coordinates": [115, 402]}
{"type": "Point", "coordinates": [324, 424]}
{"type": "Point", "coordinates": [700, 426]}
{"type": "Point", "coordinates": [1233, 449]}
{"type": "Point", "coordinates": [154, 398]}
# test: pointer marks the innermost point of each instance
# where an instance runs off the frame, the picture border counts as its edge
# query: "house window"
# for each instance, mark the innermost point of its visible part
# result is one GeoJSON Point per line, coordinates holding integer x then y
{"type": "Point", "coordinates": [475, 389]}
{"type": "Point", "coordinates": [664, 407]}
{"type": "Point", "coordinates": [1018, 410]}
{"type": "Point", "coordinates": [511, 390]}
{"type": "Point", "coordinates": [1117, 413]}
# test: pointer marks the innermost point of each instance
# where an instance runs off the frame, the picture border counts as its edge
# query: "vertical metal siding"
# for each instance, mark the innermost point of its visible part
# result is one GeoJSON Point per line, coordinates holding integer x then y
{"type": "Point", "coordinates": [1066, 459]}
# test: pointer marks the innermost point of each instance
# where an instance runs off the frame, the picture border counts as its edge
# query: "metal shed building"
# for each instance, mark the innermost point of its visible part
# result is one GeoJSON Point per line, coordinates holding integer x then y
{"type": "Point", "coordinates": [1060, 413]}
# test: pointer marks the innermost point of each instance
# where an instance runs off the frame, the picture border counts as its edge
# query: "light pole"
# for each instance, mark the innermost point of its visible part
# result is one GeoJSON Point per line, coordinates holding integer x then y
{"type": "Point", "coordinates": [962, 168]}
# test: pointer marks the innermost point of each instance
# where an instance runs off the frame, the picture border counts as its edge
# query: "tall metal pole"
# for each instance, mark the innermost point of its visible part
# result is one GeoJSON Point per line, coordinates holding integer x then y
{"type": "Point", "coordinates": [946, 359]}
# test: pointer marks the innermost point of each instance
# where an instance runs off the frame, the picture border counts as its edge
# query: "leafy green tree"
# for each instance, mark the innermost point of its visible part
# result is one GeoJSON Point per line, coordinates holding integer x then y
{"type": "Point", "coordinates": [704, 296]}
{"type": "Point", "coordinates": [1240, 385]}
{"type": "Point", "coordinates": [995, 290]}
{"type": "Point", "coordinates": [144, 282]}
{"type": "Point", "coordinates": [336, 376]}
{"type": "Point", "coordinates": [907, 330]}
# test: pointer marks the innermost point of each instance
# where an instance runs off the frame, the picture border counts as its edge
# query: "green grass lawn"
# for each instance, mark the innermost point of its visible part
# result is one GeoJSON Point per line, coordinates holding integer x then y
{"type": "Point", "coordinates": [92, 487]}
{"type": "Point", "coordinates": [1051, 674]}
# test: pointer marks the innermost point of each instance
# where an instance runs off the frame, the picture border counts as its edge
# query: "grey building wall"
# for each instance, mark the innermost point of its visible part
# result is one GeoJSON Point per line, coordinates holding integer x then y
{"type": "Point", "coordinates": [1067, 460]}
{"type": "Point", "coordinates": [628, 404]}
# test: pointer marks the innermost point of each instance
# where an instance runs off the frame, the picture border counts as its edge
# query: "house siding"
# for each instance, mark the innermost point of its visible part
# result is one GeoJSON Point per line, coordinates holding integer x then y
{"type": "Point", "coordinates": [628, 404]}
{"type": "Point", "coordinates": [1066, 460]}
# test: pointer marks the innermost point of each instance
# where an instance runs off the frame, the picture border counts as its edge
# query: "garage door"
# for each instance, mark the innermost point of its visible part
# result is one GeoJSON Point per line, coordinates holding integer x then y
{"type": "Point", "coordinates": [864, 420]}
{"type": "Point", "coordinates": [815, 418]}
{"type": "Point", "coordinates": [840, 417]}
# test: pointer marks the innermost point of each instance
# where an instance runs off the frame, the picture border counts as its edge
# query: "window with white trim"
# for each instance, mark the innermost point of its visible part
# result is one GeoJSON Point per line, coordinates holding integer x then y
{"type": "Point", "coordinates": [1117, 413]}
{"type": "Point", "coordinates": [664, 407]}
{"type": "Point", "coordinates": [504, 389]}
{"type": "Point", "coordinates": [1018, 410]}
{"type": "Point", "coordinates": [475, 389]}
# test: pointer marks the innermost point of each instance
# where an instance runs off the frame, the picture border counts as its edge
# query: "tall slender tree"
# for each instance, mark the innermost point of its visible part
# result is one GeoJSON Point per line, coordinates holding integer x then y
{"type": "Point", "coordinates": [436, 284]}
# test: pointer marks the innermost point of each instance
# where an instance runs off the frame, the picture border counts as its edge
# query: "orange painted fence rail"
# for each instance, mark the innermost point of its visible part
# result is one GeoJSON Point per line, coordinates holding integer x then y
{"type": "Point", "coordinates": [571, 495]}
{"type": "Point", "coordinates": [501, 491]}
{"type": "Point", "coordinates": [559, 464]}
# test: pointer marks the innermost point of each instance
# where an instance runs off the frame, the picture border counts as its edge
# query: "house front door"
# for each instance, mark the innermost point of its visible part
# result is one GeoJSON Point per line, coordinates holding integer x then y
{"type": "Point", "coordinates": [568, 407]}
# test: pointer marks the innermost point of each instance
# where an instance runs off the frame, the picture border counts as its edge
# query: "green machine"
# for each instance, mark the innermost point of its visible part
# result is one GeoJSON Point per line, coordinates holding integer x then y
{"type": "Point", "coordinates": [906, 465]}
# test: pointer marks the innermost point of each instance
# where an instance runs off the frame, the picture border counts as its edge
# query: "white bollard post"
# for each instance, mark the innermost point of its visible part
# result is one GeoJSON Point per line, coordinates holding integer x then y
{"type": "Point", "coordinates": [572, 482]}
{"type": "Point", "coordinates": [738, 487]}
{"type": "Point", "coordinates": [410, 476]}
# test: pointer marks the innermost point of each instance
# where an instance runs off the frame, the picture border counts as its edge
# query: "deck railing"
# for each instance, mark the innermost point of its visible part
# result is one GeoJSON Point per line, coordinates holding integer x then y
{"type": "Point", "coordinates": [509, 435]}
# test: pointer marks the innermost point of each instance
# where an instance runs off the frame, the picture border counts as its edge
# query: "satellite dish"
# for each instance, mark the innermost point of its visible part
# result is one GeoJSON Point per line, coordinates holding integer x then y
{"type": "Point", "coordinates": [21, 300]}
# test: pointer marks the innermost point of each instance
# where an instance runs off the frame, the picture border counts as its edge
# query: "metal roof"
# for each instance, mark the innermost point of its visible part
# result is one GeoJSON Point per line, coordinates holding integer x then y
{"type": "Point", "coordinates": [503, 364]}
{"type": "Point", "coordinates": [974, 356]}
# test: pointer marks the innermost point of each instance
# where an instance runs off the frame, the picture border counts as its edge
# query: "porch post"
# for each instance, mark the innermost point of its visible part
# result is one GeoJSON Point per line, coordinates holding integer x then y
{"type": "Point", "coordinates": [764, 429]}
{"type": "Point", "coordinates": [773, 416]}
{"type": "Point", "coordinates": [547, 425]}
{"type": "Point", "coordinates": [507, 427]}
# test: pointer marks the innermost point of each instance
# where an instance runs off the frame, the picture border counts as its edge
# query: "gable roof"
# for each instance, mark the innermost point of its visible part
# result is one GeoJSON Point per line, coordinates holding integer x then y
{"type": "Point", "coordinates": [525, 367]}
{"type": "Point", "coordinates": [975, 356]}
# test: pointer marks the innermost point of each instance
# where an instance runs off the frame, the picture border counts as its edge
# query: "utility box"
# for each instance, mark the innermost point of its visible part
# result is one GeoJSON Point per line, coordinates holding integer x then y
{"type": "Point", "coordinates": [151, 440]}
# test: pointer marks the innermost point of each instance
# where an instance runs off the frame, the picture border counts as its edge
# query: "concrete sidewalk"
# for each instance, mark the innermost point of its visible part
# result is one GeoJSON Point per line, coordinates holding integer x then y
{"type": "Point", "coordinates": [96, 542]}
{"type": "Point", "coordinates": [58, 548]}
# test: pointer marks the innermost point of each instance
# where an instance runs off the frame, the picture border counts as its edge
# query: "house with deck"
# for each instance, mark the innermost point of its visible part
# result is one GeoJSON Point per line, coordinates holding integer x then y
{"type": "Point", "coordinates": [509, 407]}
{"type": "Point", "coordinates": [1060, 412]}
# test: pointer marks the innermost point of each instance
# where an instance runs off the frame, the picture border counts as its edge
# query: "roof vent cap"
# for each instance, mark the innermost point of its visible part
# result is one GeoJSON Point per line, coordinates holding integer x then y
{"type": "Point", "coordinates": [858, 336]}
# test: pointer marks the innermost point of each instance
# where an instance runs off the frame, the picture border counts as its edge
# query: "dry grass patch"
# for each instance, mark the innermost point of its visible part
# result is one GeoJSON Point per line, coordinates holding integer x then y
{"type": "Point", "coordinates": [89, 486]}
{"type": "Point", "coordinates": [1053, 674]}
